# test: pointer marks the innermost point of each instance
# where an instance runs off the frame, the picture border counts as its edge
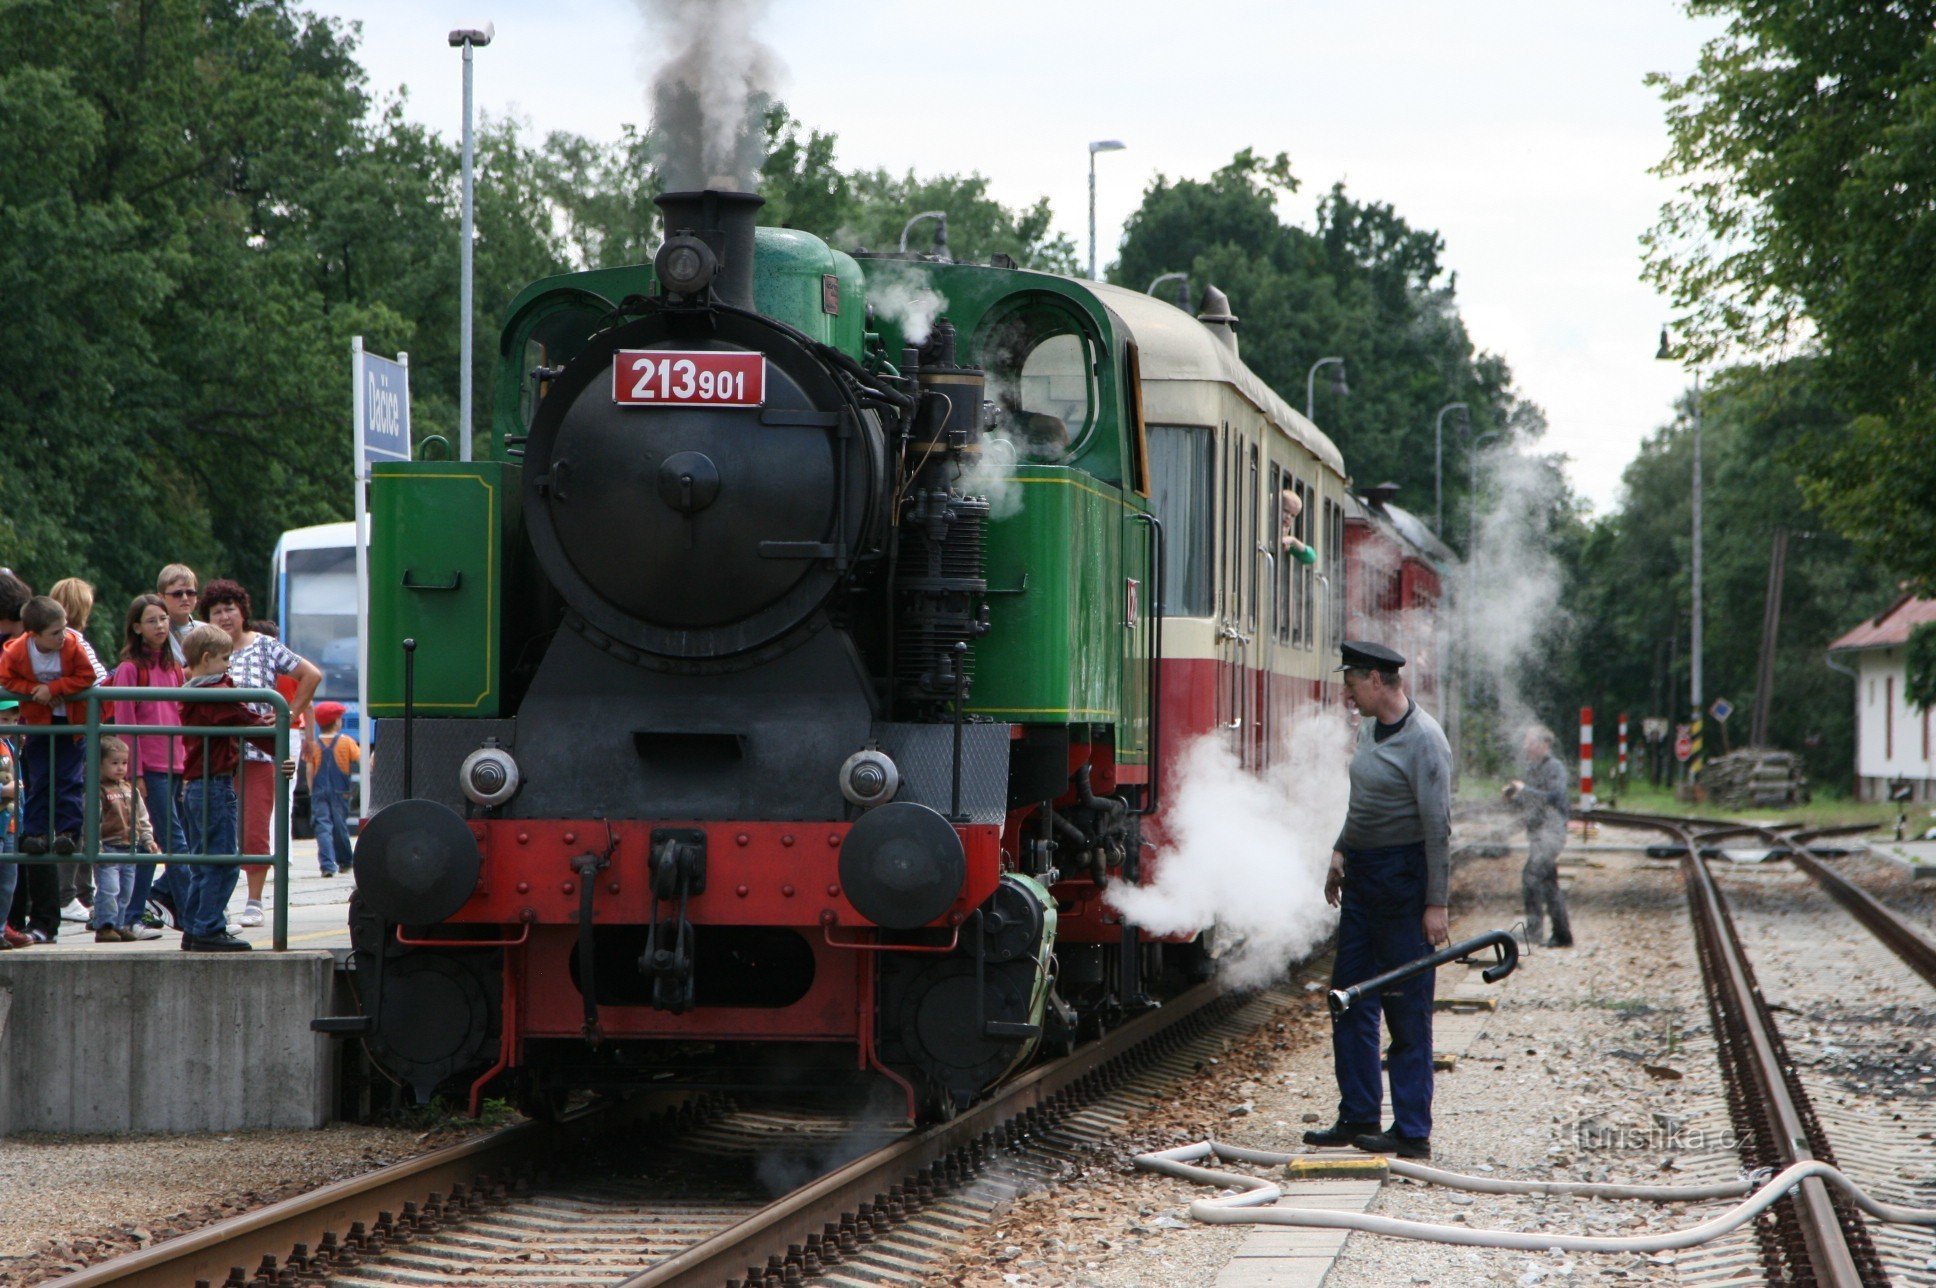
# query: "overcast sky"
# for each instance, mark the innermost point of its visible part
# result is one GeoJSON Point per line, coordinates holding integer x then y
{"type": "Point", "coordinates": [1519, 129]}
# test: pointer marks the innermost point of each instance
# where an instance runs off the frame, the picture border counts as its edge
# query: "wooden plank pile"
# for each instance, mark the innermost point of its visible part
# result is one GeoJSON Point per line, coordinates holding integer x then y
{"type": "Point", "coordinates": [1756, 776]}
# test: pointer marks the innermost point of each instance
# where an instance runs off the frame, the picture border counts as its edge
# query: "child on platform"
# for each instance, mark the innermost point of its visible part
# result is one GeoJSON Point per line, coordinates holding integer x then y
{"type": "Point", "coordinates": [332, 758]}
{"type": "Point", "coordinates": [44, 665]}
{"type": "Point", "coordinates": [208, 793]}
{"type": "Point", "coordinates": [125, 829]}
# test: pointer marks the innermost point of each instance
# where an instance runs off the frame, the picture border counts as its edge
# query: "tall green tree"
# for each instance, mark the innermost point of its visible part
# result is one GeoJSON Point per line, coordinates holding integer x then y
{"type": "Point", "coordinates": [198, 208]}
{"type": "Point", "coordinates": [1631, 595]}
{"type": "Point", "coordinates": [1362, 284]}
{"type": "Point", "coordinates": [1807, 217]}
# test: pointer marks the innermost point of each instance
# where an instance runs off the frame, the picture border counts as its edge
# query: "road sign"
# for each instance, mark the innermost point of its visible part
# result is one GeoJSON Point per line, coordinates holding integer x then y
{"type": "Point", "coordinates": [1721, 709]}
{"type": "Point", "coordinates": [382, 409]}
{"type": "Point", "coordinates": [1655, 727]}
{"type": "Point", "coordinates": [380, 429]}
{"type": "Point", "coordinates": [1683, 742]}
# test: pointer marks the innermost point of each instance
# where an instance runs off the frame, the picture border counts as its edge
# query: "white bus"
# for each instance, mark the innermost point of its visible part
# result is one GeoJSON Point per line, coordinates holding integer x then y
{"type": "Point", "coordinates": [313, 582]}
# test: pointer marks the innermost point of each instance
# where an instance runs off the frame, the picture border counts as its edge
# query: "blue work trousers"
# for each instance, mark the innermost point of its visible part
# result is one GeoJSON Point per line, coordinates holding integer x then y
{"type": "Point", "coordinates": [209, 806]}
{"type": "Point", "coordinates": [162, 812]}
{"type": "Point", "coordinates": [1381, 928]}
{"type": "Point", "coordinates": [331, 813]}
{"type": "Point", "coordinates": [54, 765]}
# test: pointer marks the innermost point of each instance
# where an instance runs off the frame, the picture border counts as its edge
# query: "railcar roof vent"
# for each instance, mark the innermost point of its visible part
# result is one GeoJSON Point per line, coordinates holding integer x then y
{"type": "Point", "coordinates": [1381, 494]}
{"type": "Point", "coordinates": [1214, 312]}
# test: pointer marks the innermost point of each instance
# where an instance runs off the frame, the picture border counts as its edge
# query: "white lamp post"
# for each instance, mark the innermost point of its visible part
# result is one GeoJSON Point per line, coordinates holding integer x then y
{"type": "Point", "coordinates": [1338, 385]}
{"type": "Point", "coordinates": [1666, 353]}
{"type": "Point", "coordinates": [1438, 466]}
{"type": "Point", "coordinates": [467, 39]}
{"type": "Point", "coordinates": [1101, 145]}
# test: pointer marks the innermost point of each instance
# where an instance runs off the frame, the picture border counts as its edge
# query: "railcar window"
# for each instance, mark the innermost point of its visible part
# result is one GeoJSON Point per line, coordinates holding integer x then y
{"type": "Point", "coordinates": [1306, 574]}
{"type": "Point", "coordinates": [1299, 588]}
{"type": "Point", "coordinates": [1042, 374]}
{"type": "Point", "coordinates": [1251, 500]}
{"type": "Point", "coordinates": [1334, 566]}
{"type": "Point", "coordinates": [1182, 473]}
{"type": "Point", "coordinates": [1279, 619]}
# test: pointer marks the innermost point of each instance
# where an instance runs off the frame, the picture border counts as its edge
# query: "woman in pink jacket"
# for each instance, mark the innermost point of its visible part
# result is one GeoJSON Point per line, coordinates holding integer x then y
{"type": "Point", "coordinates": [148, 661]}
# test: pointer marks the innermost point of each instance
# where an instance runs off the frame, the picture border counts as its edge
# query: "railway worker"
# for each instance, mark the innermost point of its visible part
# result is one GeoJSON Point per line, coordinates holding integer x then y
{"type": "Point", "coordinates": [1541, 799]}
{"type": "Point", "coordinates": [1389, 872]}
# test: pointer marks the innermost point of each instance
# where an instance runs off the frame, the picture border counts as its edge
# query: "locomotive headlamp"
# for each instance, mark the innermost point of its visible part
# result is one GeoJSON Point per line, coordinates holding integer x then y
{"type": "Point", "coordinates": [869, 778]}
{"type": "Point", "coordinates": [685, 264]}
{"type": "Point", "coordinates": [489, 776]}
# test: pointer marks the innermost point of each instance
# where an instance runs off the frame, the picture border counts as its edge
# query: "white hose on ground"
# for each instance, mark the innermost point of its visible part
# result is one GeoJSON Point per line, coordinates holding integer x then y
{"type": "Point", "coordinates": [1253, 1193]}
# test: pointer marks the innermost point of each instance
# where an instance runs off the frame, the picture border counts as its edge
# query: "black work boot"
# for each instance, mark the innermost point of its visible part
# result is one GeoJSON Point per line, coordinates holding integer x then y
{"type": "Point", "coordinates": [1338, 1134]}
{"type": "Point", "coordinates": [1386, 1142]}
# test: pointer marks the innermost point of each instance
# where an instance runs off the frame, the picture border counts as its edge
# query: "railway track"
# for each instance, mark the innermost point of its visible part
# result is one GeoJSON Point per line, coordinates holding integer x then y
{"type": "Point", "coordinates": [1819, 1238]}
{"type": "Point", "coordinates": [681, 1190]}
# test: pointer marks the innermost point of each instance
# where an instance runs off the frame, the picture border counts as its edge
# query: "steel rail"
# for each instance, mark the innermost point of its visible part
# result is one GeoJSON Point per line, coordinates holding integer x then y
{"type": "Point", "coordinates": [786, 1223]}
{"type": "Point", "coordinates": [1897, 935]}
{"type": "Point", "coordinates": [460, 1171]}
{"type": "Point", "coordinates": [1788, 1137]}
{"type": "Point", "coordinates": [347, 1213]}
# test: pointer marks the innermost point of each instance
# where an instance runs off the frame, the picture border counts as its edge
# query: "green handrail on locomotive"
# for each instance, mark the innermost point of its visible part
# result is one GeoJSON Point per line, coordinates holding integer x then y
{"type": "Point", "coordinates": [798, 664]}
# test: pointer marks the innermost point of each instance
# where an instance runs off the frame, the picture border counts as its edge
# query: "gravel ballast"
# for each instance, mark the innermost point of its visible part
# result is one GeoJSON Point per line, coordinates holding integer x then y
{"type": "Point", "coordinates": [69, 1201]}
{"type": "Point", "coordinates": [1597, 1066]}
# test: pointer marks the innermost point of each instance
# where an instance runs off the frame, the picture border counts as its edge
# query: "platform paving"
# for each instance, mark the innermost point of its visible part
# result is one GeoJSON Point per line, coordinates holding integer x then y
{"type": "Point", "coordinates": [318, 914]}
{"type": "Point", "coordinates": [1277, 1256]}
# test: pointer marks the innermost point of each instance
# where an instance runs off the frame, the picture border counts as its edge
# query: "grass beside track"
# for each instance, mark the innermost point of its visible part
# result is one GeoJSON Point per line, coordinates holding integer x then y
{"type": "Point", "coordinates": [1824, 811]}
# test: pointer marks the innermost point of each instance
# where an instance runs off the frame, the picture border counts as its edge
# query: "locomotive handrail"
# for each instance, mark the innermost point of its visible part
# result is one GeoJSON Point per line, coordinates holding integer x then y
{"type": "Point", "coordinates": [828, 922]}
{"type": "Point", "coordinates": [524, 934]}
{"type": "Point", "coordinates": [1152, 791]}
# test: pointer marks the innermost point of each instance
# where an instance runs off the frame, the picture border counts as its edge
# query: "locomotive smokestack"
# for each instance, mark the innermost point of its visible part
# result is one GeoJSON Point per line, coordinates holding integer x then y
{"type": "Point", "coordinates": [725, 222]}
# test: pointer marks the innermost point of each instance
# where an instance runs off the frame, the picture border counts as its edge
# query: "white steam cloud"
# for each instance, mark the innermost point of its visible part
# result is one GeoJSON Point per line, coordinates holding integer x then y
{"type": "Point", "coordinates": [1506, 608]}
{"type": "Point", "coordinates": [992, 477]}
{"type": "Point", "coordinates": [904, 297]}
{"type": "Point", "coordinates": [710, 90]}
{"type": "Point", "coordinates": [1248, 853]}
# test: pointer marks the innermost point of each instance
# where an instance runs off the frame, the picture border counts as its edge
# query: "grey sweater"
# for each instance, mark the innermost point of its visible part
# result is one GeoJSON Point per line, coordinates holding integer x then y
{"type": "Point", "coordinates": [1401, 794]}
{"type": "Point", "coordinates": [1543, 800]}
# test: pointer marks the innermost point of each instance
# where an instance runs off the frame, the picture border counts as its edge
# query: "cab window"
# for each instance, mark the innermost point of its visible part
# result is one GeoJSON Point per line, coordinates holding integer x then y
{"type": "Point", "coordinates": [1041, 364]}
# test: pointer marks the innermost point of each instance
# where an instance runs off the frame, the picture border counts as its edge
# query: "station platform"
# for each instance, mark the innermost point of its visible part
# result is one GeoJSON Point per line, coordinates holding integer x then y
{"type": "Point", "coordinates": [318, 915]}
{"type": "Point", "coordinates": [142, 1037]}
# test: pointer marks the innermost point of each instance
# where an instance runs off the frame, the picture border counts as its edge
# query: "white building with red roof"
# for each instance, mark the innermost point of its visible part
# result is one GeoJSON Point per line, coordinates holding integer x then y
{"type": "Point", "coordinates": [1893, 740]}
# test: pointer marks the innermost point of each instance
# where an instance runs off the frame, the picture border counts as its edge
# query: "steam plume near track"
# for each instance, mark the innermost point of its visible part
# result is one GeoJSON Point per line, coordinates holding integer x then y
{"type": "Point", "coordinates": [1507, 611]}
{"type": "Point", "coordinates": [710, 91]}
{"type": "Point", "coordinates": [1249, 852]}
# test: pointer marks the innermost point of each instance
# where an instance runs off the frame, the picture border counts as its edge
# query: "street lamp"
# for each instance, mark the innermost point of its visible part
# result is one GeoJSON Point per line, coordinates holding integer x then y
{"type": "Point", "coordinates": [1338, 386]}
{"type": "Point", "coordinates": [467, 39]}
{"type": "Point", "coordinates": [1666, 354]}
{"type": "Point", "coordinates": [1183, 297]}
{"type": "Point", "coordinates": [940, 231]}
{"type": "Point", "coordinates": [1472, 486]}
{"type": "Point", "coordinates": [1100, 145]}
{"type": "Point", "coordinates": [1438, 465]}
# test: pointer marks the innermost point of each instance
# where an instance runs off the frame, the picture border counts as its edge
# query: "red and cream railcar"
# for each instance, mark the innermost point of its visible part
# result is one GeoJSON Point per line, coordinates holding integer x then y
{"type": "Point", "coordinates": [1394, 585]}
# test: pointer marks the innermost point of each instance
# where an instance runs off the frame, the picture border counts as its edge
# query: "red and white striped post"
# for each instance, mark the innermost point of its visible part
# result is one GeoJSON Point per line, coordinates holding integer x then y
{"type": "Point", "coordinates": [1622, 782]}
{"type": "Point", "coordinates": [1586, 761]}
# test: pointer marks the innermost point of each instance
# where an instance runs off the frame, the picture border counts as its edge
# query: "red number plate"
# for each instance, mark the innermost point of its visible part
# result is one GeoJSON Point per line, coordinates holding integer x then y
{"type": "Point", "coordinates": [675, 378]}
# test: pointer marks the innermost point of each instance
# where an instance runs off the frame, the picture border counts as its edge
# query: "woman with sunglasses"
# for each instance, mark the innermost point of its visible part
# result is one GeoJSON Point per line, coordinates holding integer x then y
{"type": "Point", "coordinates": [176, 585]}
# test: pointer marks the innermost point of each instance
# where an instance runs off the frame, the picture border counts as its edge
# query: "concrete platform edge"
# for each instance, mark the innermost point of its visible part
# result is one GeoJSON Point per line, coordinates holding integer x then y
{"type": "Point", "coordinates": [120, 1041]}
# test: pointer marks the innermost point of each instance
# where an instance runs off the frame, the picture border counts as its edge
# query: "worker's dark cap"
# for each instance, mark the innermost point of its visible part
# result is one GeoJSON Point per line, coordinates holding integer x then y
{"type": "Point", "coordinates": [1363, 655]}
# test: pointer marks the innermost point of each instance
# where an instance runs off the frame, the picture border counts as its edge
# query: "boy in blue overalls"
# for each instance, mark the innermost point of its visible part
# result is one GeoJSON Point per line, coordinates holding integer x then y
{"type": "Point", "coordinates": [332, 758]}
